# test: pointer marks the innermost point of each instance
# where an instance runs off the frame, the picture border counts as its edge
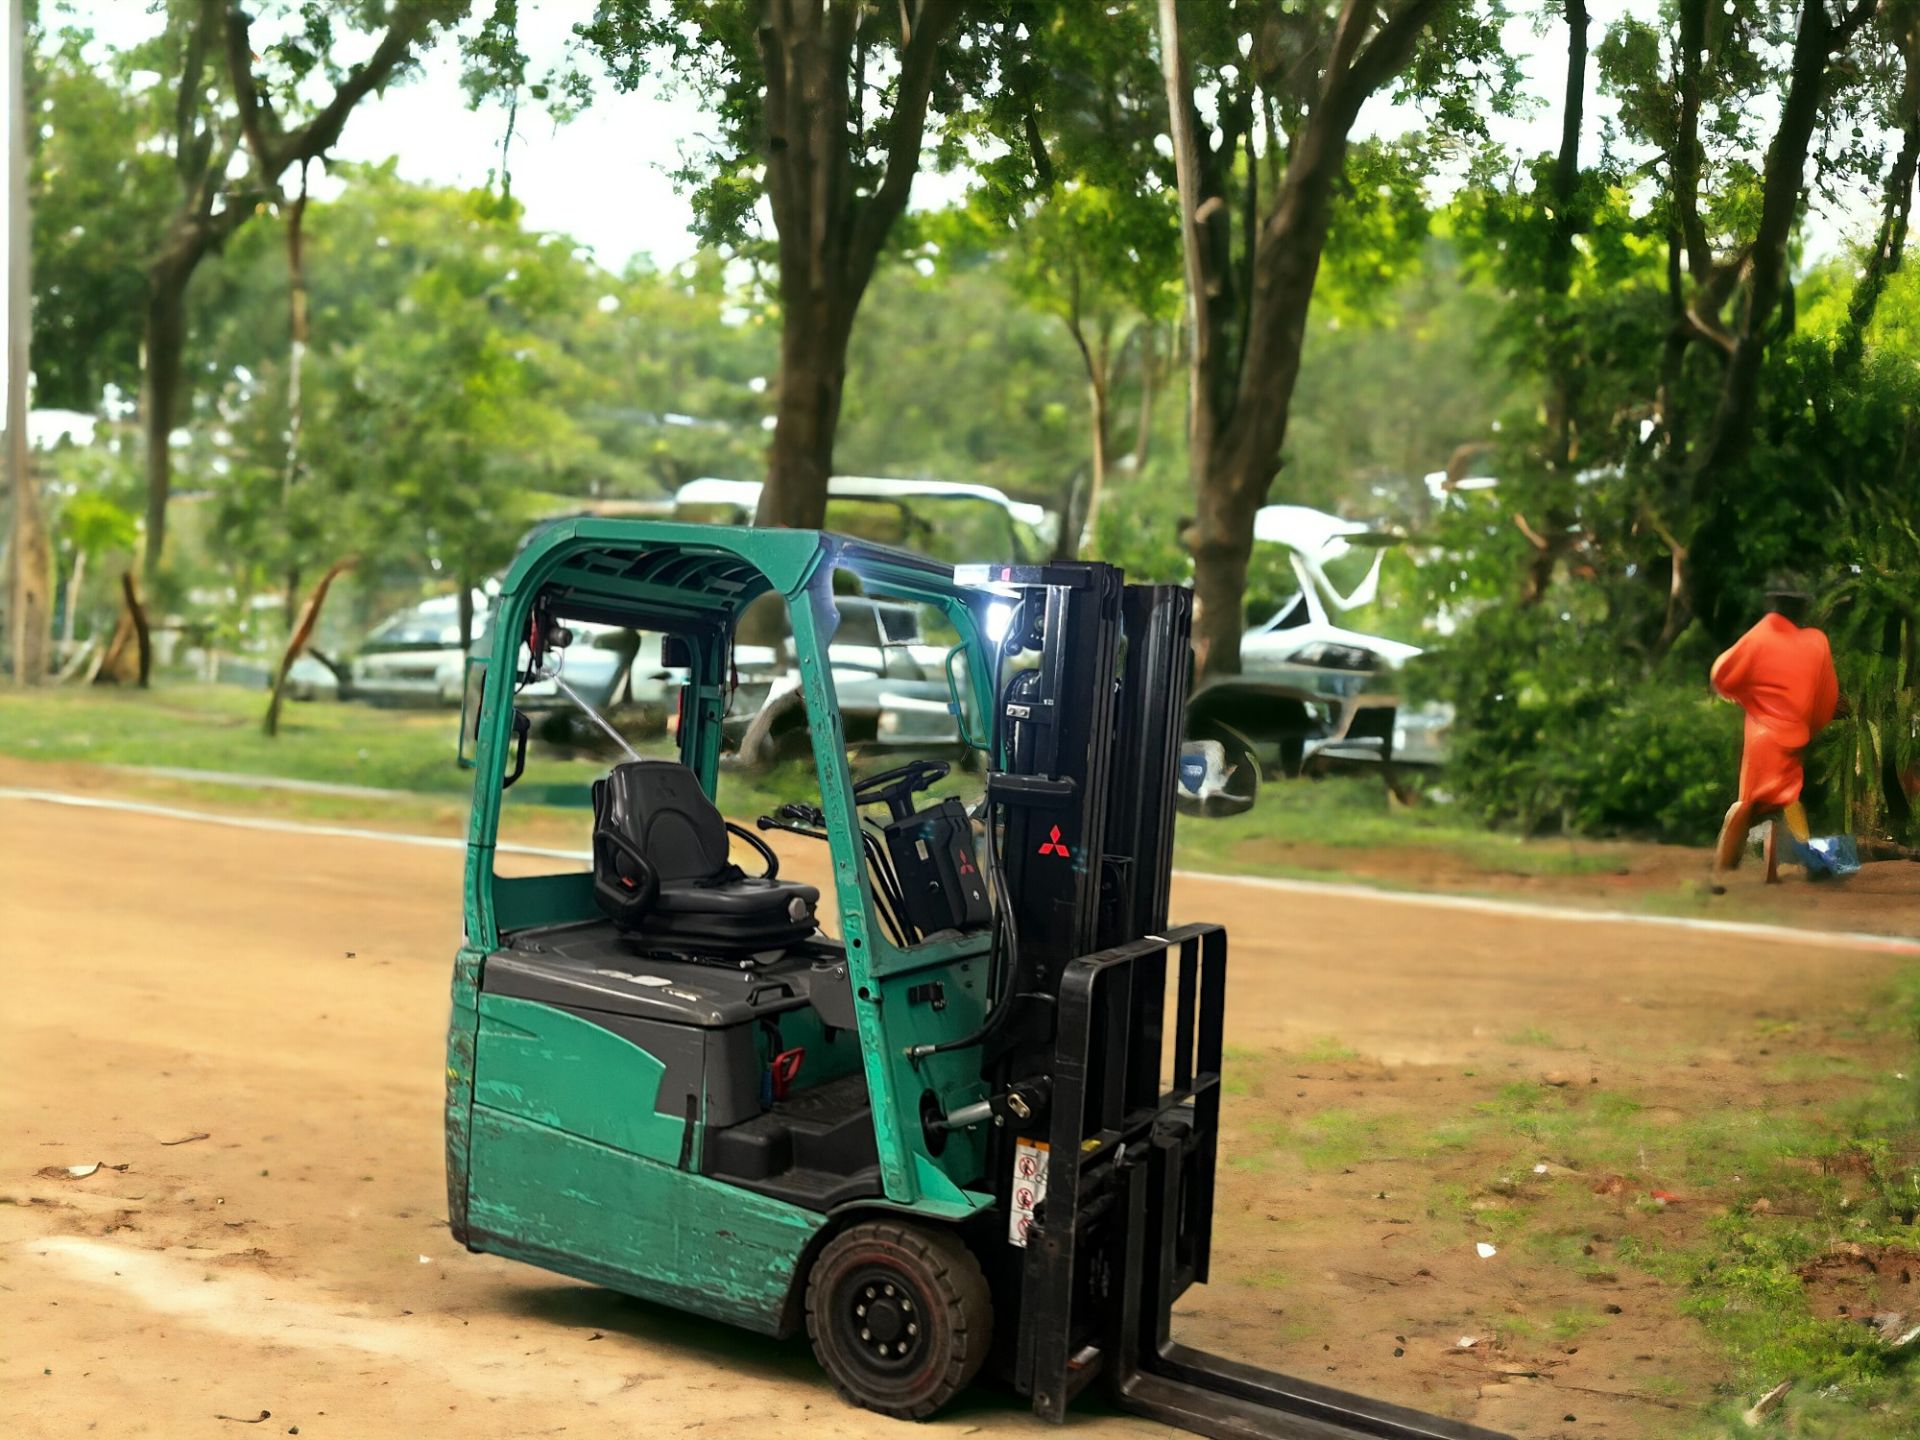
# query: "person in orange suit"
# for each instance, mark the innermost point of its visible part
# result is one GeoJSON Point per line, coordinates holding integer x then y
{"type": "Point", "coordinates": [1781, 673]}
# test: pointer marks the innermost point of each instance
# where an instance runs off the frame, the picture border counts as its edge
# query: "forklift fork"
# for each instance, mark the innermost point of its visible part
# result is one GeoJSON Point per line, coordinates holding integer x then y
{"type": "Point", "coordinates": [1126, 1224]}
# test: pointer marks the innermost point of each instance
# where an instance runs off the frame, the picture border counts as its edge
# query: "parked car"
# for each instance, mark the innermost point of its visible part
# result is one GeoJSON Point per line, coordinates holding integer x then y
{"type": "Point", "coordinates": [892, 688]}
{"type": "Point", "coordinates": [415, 657]}
{"type": "Point", "coordinates": [1313, 695]}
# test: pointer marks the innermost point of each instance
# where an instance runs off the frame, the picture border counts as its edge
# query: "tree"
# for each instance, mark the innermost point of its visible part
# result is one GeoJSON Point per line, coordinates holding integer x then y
{"type": "Point", "coordinates": [29, 608]}
{"type": "Point", "coordinates": [208, 123]}
{"type": "Point", "coordinates": [100, 195]}
{"type": "Point", "coordinates": [1730, 215]}
{"type": "Point", "coordinates": [1076, 204]}
{"type": "Point", "coordinates": [437, 421]}
{"type": "Point", "coordinates": [1284, 87]}
{"type": "Point", "coordinates": [823, 108]}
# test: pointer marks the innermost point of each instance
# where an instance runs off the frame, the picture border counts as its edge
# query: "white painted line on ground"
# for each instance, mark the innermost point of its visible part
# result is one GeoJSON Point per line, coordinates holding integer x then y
{"type": "Point", "coordinates": [283, 827]}
{"type": "Point", "coordinates": [1527, 910]}
{"type": "Point", "coordinates": [1323, 889]}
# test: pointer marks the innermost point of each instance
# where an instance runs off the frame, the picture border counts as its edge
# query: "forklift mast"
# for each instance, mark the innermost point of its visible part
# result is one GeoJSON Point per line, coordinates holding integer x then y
{"type": "Point", "coordinates": [1107, 1179]}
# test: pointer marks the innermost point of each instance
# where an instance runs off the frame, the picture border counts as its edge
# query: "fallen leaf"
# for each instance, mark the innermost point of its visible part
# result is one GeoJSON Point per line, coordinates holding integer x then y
{"type": "Point", "coordinates": [1766, 1403]}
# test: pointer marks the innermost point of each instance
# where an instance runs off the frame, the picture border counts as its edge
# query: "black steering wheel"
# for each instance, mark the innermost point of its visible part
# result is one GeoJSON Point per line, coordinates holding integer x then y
{"type": "Point", "coordinates": [894, 788]}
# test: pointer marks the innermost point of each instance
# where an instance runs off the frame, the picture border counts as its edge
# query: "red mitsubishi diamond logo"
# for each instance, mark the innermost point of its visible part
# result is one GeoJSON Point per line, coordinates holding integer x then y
{"type": "Point", "coordinates": [1053, 845]}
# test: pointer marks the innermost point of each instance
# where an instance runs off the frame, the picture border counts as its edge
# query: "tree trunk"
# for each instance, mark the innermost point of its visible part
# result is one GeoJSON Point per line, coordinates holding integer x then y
{"type": "Point", "coordinates": [1143, 427]}
{"type": "Point", "coordinates": [1221, 541]}
{"type": "Point", "coordinates": [1241, 397]}
{"type": "Point", "coordinates": [813, 377]}
{"type": "Point", "coordinates": [74, 581]}
{"type": "Point", "coordinates": [1234, 472]}
{"type": "Point", "coordinates": [1563, 342]}
{"type": "Point", "coordinates": [129, 629]}
{"type": "Point", "coordinates": [1890, 241]}
{"type": "Point", "coordinates": [1096, 356]}
{"type": "Point", "coordinates": [1731, 433]}
{"type": "Point", "coordinates": [30, 572]}
{"type": "Point", "coordinates": [465, 604]}
{"type": "Point", "coordinates": [1097, 478]}
{"type": "Point", "coordinates": [166, 339]}
{"type": "Point", "coordinates": [302, 632]}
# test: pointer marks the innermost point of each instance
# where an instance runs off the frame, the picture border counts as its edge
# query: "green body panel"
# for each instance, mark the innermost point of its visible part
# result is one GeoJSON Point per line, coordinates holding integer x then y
{"type": "Point", "coordinates": [545, 1065]}
{"type": "Point", "coordinates": [560, 1158]}
{"type": "Point", "coordinates": [463, 1028]}
{"type": "Point", "coordinates": [635, 1224]}
{"type": "Point", "coordinates": [524, 901]}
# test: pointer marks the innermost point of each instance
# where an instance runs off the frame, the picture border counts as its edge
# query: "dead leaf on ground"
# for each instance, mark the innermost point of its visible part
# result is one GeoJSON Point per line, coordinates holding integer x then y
{"type": "Point", "coordinates": [76, 1172]}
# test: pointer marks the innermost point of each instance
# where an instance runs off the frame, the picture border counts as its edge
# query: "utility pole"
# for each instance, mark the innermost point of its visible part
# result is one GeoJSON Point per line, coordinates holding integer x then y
{"type": "Point", "coordinates": [29, 612]}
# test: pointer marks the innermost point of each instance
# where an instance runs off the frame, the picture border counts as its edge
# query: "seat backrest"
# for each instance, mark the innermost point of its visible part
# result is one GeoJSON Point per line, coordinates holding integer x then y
{"type": "Point", "coordinates": [659, 806]}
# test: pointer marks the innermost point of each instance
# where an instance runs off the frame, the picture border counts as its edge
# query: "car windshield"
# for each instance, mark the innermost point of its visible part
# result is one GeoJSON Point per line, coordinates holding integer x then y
{"type": "Point", "coordinates": [415, 632]}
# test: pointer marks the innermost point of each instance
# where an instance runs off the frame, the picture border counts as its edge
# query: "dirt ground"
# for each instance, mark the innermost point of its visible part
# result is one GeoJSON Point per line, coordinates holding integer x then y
{"type": "Point", "coordinates": [1883, 898]}
{"type": "Point", "coordinates": [245, 1028]}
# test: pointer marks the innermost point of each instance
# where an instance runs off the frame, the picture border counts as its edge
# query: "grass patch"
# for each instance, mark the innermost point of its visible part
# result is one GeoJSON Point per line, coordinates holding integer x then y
{"type": "Point", "coordinates": [1327, 1050]}
{"type": "Point", "coordinates": [410, 751]}
{"type": "Point", "coordinates": [1532, 1035]}
{"type": "Point", "coordinates": [1356, 813]}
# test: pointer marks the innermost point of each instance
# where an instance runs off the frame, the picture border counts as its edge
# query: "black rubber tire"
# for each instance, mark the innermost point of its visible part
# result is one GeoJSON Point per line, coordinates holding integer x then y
{"type": "Point", "coordinates": [940, 1291]}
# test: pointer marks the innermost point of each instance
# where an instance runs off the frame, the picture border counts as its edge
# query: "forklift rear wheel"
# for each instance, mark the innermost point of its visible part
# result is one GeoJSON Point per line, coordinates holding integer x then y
{"type": "Point", "coordinates": [900, 1317]}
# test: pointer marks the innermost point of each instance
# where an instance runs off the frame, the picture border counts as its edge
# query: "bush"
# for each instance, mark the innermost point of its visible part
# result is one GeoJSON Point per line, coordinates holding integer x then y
{"type": "Point", "coordinates": [1554, 730]}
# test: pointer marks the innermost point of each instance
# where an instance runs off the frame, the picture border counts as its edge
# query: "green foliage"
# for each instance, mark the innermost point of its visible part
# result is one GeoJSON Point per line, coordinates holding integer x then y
{"type": "Point", "coordinates": [1556, 730]}
{"type": "Point", "coordinates": [1869, 755]}
{"type": "Point", "coordinates": [101, 189]}
{"type": "Point", "coordinates": [951, 378]}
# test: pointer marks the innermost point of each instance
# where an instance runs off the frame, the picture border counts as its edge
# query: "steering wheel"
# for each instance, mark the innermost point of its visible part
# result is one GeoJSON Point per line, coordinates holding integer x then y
{"type": "Point", "coordinates": [893, 788]}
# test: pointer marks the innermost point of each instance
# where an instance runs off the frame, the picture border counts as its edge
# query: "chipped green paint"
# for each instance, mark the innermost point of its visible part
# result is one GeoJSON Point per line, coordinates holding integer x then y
{"type": "Point", "coordinates": [461, 1029]}
{"type": "Point", "coordinates": [555, 1069]}
{"type": "Point", "coordinates": [634, 1224]}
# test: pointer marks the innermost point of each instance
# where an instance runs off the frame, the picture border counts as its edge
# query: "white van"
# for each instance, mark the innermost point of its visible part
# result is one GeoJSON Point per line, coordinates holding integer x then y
{"type": "Point", "coordinates": [964, 524]}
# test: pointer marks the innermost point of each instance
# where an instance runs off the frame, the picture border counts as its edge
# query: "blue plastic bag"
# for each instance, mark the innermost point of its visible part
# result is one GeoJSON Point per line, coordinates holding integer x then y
{"type": "Point", "coordinates": [1826, 857]}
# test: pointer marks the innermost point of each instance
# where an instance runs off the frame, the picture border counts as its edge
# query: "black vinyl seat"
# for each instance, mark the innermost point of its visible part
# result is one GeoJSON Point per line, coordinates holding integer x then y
{"type": "Point", "coordinates": [661, 872]}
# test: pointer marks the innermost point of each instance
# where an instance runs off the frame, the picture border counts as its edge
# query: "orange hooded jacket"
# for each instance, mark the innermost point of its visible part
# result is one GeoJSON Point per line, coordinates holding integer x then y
{"type": "Point", "coordinates": [1782, 676]}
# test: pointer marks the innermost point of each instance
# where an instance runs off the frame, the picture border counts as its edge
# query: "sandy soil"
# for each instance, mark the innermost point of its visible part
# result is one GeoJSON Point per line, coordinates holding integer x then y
{"type": "Point", "coordinates": [1882, 899]}
{"type": "Point", "coordinates": [246, 1029]}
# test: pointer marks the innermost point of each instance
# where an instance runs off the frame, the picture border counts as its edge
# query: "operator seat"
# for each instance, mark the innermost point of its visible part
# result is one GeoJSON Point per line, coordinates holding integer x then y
{"type": "Point", "coordinates": [661, 872]}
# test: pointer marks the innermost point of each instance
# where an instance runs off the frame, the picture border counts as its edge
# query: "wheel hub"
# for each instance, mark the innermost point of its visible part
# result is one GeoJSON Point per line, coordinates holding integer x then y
{"type": "Point", "coordinates": [885, 1319]}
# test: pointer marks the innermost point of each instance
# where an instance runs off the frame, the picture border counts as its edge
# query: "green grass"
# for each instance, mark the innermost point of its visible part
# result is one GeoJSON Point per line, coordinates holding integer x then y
{"type": "Point", "coordinates": [217, 728]}
{"type": "Point", "coordinates": [187, 725]}
{"type": "Point", "coordinates": [1356, 813]}
{"type": "Point", "coordinates": [1326, 1050]}
{"type": "Point", "coordinates": [1532, 1035]}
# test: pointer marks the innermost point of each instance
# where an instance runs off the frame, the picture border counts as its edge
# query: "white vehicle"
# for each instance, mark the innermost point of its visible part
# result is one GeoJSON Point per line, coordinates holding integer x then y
{"type": "Point", "coordinates": [939, 518]}
{"type": "Point", "coordinates": [1302, 644]}
{"type": "Point", "coordinates": [414, 657]}
{"type": "Point", "coordinates": [1312, 693]}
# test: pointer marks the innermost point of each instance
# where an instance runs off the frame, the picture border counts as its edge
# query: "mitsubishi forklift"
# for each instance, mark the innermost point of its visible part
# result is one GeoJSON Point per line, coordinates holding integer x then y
{"type": "Point", "coordinates": [971, 1133]}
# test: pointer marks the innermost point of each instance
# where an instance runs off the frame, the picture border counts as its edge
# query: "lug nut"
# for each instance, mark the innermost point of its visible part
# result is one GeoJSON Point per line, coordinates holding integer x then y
{"type": "Point", "coordinates": [866, 1334]}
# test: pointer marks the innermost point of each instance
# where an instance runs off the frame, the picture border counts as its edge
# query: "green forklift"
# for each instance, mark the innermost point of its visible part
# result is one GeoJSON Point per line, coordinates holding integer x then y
{"type": "Point", "coordinates": [969, 1135]}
